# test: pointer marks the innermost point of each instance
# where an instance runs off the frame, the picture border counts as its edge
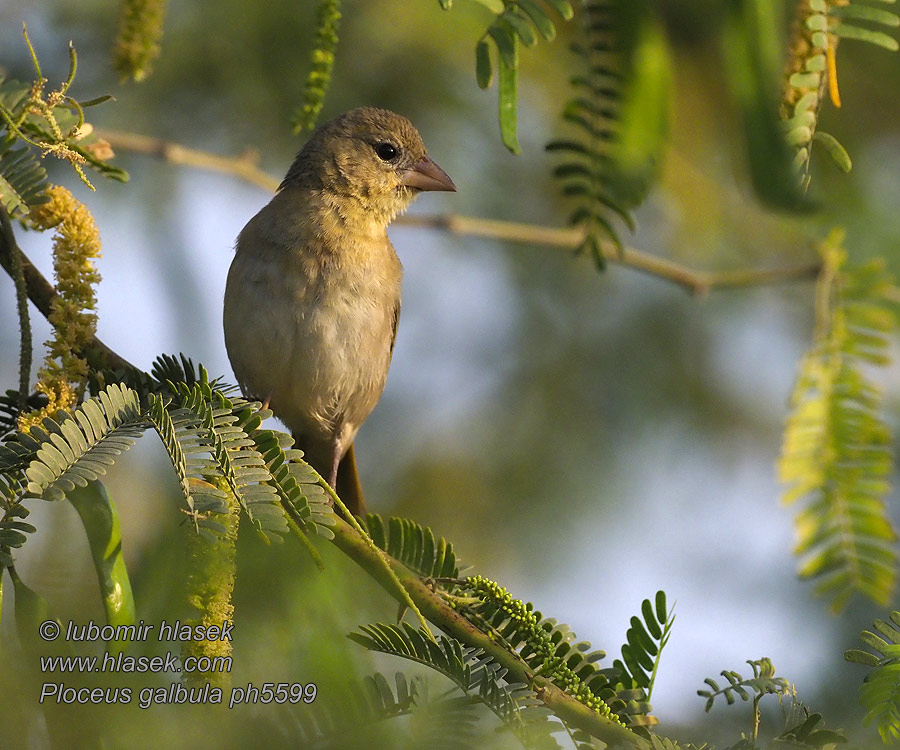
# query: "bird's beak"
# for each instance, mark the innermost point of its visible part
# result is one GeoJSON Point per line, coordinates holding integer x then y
{"type": "Point", "coordinates": [426, 175]}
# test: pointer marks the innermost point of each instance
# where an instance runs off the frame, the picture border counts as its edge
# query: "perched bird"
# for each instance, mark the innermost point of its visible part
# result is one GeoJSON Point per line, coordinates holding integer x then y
{"type": "Point", "coordinates": [313, 293]}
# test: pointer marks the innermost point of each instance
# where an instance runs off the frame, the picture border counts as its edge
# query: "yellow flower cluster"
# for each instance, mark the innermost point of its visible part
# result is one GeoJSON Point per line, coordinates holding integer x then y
{"type": "Point", "coordinates": [76, 242]}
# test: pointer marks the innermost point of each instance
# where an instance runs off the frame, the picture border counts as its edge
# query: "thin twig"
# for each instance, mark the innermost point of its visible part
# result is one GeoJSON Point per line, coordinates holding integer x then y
{"type": "Point", "coordinates": [245, 166]}
{"type": "Point", "coordinates": [694, 282]}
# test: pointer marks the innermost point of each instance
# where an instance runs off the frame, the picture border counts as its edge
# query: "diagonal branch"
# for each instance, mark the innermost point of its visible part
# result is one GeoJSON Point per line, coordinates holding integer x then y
{"type": "Point", "coordinates": [439, 612]}
{"type": "Point", "coordinates": [17, 271]}
{"type": "Point", "coordinates": [380, 566]}
{"type": "Point", "coordinates": [245, 166]}
{"type": "Point", "coordinates": [41, 292]}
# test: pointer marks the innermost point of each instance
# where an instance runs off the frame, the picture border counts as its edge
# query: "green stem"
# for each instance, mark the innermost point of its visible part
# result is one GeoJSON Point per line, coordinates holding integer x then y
{"type": "Point", "coordinates": [295, 522]}
{"type": "Point", "coordinates": [384, 563]}
{"type": "Point", "coordinates": [388, 571]}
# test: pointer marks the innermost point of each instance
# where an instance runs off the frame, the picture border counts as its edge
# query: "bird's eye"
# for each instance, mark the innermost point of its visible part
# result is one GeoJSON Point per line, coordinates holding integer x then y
{"type": "Point", "coordinates": [387, 151]}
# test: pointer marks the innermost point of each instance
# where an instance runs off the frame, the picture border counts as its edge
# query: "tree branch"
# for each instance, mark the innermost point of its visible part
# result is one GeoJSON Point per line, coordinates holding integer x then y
{"type": "Point", "coordinates": [375, 562]}
{"type": "Point", "coordinates": [695, 282]}
{"type": "Point", "coordinates": [436, 609]}
{"type": "Point", "coordinates": [17, 272]}
{"type": "Point", "coordinates": [41, 292]}
{"type": "Point", "coordinates": [245, 165]}
{"type": "Point", "coordinates": [698, 283]}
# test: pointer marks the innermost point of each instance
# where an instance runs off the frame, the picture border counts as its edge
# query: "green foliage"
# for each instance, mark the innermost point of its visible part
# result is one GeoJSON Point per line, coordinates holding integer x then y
{"type": "Point", "coordinates": [234, 455]}
{"type": "Point", "coordinates": [880, 692]}
{"type": "Point", "coordinates": [810, 733]}
{"type": "Point", "coordinates": [802, 729]}
{"type": "Point", "coordinates": [643, 114]}
{"type": "Point", "coordinates": [23, 178]}
{"type": "Point", "coordinates": [167, 369]}
{"type": "Point", "coordinates": [664, 743]}
{"type": "Point", "coordinates": [140, 30]}
{"type": "Point", "coordinates": [207, 435]}
{"type": "Point", "coordinates": [297, 483]}
{"type": "Point", "coordinates": [258, 465]}
{"type": "Point", "coordinates": [835, 150]}
{"type": "Point", "coordinates": [76, 448]}
{"type": "Point", "coordinates": [328, 17]}
{"type": "Point", "coordinates": [546, 646]}
{"type": "Point", "coordinates": [515, 21]}
{"type": "Point", "coordinates": [48, 123]}
{"type": "Point", "coordinates": [763, 682]}
{"type": "Point", "coordinates": [9, 409]}
{"type": "Point", "coordinates": [374, 701]}
{"type": "Point", "coordinates": [619, 112]}
{"type": "Point", "coordinates": [837, 454]}
{"type": "Point", "coordinates": [413, 545]}
{"type": "Point", "coordinates": [812, 64]}
{"type": "Point", "coordinates": [12, 526]}
{"type": "Point", "coordinates": [364, 716]}
{"type": "Point", "coordinates": [187, 445]}
{"type": "Point", "coordinates": [101, 524]}
{"type": "Point", "coordinates": [845, 20]}
{"type": "Point", "coordinates": [646, 640]}
{"type": "Point", "coordinates": [478, 677]}
{"type": "Point", "coordinates": [751, 58]}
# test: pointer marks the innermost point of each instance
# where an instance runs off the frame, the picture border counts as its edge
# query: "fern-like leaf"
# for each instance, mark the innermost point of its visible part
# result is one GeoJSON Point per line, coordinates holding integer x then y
{"type": "Point", "coordinates": [763, 682]}
{"type": "Point", "coordinates": [646, 639]}
{"type": "Point", "coordinates": [76, 448]}
{"type": "Point", "coordinates": [619, 114]}
{"type": "Point", "coordinates": [210, 434]}
{"type": "Point", "coordinates": [23, 179]}
{"type": "Point", "coordinates": [326, 723]}
{"type": "Point", "coordinates": [477, 676]}
{"type": "Point", "coordinates": [810, 733]}
{"type": "Point", "coordinates": [363, 717]}
{"type": "Point", "coordinates": [812, 69]}
{"type": "Point", "coordinates": [295, 481]}
{"type": "Point", "coordinates": [234, 455]}
{"type": "Point", "coordinates": [516, 22]}
{"type": "Point", "coordinates": [414, 545]}
{"type": "Point", "coordinates": [837, 452]}
{"type": "Point", "coordinates": [855, 20]}
{"type": "Point", "coordinates": [549, 648]}
{"type": "Point", "coordinates": [13, 527]}
{"type": "Point", "coordinates": [880, 692]}
{"type": "Point", "coordinates": [188, 445]}
{"type": "Point", "coordinates": [168, 368]}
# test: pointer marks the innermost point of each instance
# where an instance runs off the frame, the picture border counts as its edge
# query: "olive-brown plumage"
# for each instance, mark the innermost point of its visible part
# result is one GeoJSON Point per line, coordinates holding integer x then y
{"type": "Point", "coordinates": [313, 294]}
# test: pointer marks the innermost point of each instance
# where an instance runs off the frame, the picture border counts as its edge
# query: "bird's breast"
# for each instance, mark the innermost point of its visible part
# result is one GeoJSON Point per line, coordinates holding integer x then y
{"type": "Point", "coordinates": [310, 327]}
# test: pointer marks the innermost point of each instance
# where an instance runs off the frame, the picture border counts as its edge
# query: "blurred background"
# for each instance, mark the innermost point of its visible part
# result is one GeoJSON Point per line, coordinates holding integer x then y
{"type": "Point", "coordinates": [585, 439]}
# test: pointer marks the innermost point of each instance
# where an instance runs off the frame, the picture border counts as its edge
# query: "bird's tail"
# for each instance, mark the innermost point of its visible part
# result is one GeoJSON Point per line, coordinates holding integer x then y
{"type": "Point", "coordinates": [348, 487]}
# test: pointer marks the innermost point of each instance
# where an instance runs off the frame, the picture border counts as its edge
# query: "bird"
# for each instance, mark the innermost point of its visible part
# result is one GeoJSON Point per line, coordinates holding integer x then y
{"type": "Point", "coordinates": [312, 298]}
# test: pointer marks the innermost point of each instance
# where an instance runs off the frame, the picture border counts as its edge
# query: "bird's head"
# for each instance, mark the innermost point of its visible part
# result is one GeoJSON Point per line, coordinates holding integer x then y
{"type": "Point", "coordinates": [372, 158]}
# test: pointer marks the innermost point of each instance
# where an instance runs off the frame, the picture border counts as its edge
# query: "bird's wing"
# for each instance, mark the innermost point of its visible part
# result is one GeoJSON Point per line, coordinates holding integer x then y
{"type": "Point", "coordinates": [394, 326]}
